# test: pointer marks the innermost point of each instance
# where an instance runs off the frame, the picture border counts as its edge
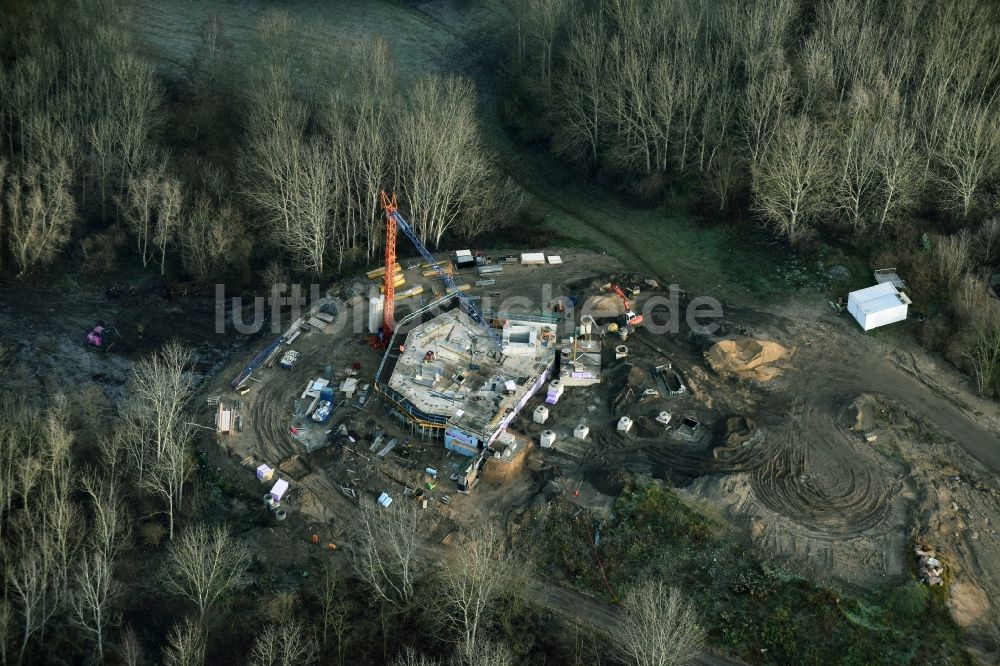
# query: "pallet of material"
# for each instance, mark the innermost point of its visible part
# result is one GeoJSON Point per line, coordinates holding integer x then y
{"type": "Point", "coordinates": [492, 269]}
{"type": "Point", "coordinates": [318, 323]}
{"type": "Point", "coordinates": [412, 291]}
{"type": "Point", "coordinates": [485, 283]}
{"type": "Point", "coordinates": [433, 272]}
{"type": "Point", "coordinates": [272, 357]}
{"type": "Point", "coordinates": [379, 272]}
{"type": "Point", "coordinates": [326, 316]}
{"type": "Point", "coordinates": [398, 282]}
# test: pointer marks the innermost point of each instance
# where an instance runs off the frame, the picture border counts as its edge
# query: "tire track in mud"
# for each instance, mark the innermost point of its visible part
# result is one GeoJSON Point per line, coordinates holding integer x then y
{"type": "Point", "coordinates": [817, 478]}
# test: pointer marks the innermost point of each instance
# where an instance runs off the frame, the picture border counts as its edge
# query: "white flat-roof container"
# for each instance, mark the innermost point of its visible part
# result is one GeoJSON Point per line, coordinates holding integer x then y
{"type": "Point", "coordinates": [877, 306]}
{"type": "Point", "coordinates": [532, 258]}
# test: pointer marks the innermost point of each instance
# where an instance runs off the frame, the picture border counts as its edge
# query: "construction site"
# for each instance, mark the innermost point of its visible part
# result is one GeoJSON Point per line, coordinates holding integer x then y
{"type": "Point", "coordinates": [483, 386]}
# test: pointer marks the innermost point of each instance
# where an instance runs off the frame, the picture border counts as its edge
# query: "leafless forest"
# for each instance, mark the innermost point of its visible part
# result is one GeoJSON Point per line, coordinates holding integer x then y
{"type": "Point", "coordinates": [851, 122]}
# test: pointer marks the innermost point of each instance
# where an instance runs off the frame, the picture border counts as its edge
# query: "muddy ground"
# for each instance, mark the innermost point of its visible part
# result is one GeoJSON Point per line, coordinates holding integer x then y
{"type": "Point", "coordinates": [838, 467]}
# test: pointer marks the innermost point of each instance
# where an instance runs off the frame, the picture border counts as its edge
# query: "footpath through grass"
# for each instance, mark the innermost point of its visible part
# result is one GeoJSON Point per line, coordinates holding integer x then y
{"type": "Point", "coordinates": [749, 606]}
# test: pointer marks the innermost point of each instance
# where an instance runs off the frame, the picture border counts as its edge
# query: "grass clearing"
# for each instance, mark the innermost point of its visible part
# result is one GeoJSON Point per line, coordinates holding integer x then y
{"type": "Point", "coordinates": [749, 605]}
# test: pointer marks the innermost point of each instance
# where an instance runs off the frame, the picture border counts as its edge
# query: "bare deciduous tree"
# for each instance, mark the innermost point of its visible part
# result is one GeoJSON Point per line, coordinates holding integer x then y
{"type": "Point", "coordinates": [582, 89]}
{"type": "Point", "coordinates": [658, 627]}
{"type": "Point", "coordinates": [169, 201]}
{"type": "Point", "coordinates": [386, 554]}
{"type": "Point", "coordinates": [138, 208]}
{"type": "Point", "coordinates": [790, 178]}
{"type": "Point", "coordinates": [186, 645]}
{"type": "Point", "coordinates": [205, 563]}
{"type": "Point", "coordinates": [92, 599]}
{"type": "Point", "coordinates": [442, 162]}
{"type": "Point", "coordinates": [333, 612]}
{"type": "Point", "coordinates": [953, 255]}
{"type": "Point", "coordinates": [967, 152]}
{"type": "Point", "coordinates": [40, 214]}
{"type": "Point", "coordinates": [762, 106]}
{"type": "Point", "coordinates": [129, 648]}
{"type": "Point", "coordinates": [410, 657]}
{"type": "Point", "coordinates": [901, 176]}
{"type": "Point", "coordinates": [472, 577]}
{"type": "Point", "coordinates": [285, 644]}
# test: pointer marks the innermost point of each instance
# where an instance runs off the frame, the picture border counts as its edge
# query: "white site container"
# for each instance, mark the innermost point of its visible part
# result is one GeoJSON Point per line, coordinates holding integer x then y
{"type": "Point", "coordinates": [624, 424]}
{"type": "Point", "coordinates": [581, 431]}
{"type": "Point", "coordinates": [533, 258]}
{"type": "Point", "coordinates": [877, 306]}
{"type": "Point", "coordinates": [547, 439]}
{"type": "Point", "coordinates": [541, 414]}
{"type": "Point", "coordinates": [376, 307]}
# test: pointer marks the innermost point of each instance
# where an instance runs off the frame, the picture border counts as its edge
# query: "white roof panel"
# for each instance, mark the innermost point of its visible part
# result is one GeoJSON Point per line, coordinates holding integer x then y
{"type": "Point", "coordinates": [879, 297]}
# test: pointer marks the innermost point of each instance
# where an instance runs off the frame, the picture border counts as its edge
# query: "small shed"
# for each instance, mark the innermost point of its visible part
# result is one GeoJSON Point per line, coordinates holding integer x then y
{"type": "Point", "coordinates": [878, 305]}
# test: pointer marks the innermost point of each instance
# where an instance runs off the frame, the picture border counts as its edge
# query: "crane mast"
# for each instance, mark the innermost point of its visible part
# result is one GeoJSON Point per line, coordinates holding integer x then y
{"type": "Point", "coordinates": [393, 220]}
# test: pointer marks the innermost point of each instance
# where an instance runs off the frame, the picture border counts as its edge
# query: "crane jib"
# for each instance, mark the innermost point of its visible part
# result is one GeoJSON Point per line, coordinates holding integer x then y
{"type": "Point", "coordinates": [466, 302]}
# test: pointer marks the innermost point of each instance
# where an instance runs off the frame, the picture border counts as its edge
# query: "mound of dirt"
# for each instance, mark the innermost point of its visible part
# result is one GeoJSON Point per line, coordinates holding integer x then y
{"type": "Point", "coordinates": [861, 413]}
{"type": "Point", "coordinates": [759, 360]}
{"type": "Point", "coordinates": [602, 307]}
{"type": "Point", "coordinates": [738, 430]}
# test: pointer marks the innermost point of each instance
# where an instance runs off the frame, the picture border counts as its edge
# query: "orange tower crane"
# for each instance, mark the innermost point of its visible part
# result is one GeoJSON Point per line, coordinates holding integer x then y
{"type": "Point", "coordinates": [389, 279]}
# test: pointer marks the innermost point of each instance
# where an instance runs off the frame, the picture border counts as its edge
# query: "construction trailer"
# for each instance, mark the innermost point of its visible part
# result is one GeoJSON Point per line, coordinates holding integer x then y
{"type": "Point", "coordinates": [878, 305]}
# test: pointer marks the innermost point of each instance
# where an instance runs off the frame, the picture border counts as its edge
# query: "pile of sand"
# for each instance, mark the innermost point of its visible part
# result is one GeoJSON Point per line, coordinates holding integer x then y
{"type": "Point", "coordinates": [603, 307]}
{"type": "Point", "coordinates": [759, 360]}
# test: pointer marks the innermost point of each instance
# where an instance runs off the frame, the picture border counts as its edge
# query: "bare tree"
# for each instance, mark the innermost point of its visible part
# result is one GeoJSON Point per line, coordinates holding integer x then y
{"type": "Point", "coordinates": [138, 208]}
{"type": "Point", "coordinates": [472, 577]}
{"type": "Point", "coordinates": [546, 18]}
{"type": "Point", "coordinates": [285, 644]}
{"type": "Point", "coordinates": [763, 104]}
{"type": "Point", "coordinates": [442, 161]}
{"type": "Point", "coordinates": [205, 563]}
{"type": "Point", "coordinates": [789, 179]}
{"type": "Point", "coordinates": [186, 645]}
{"type": "Point", "coordinates": [983, 326]}
{"type": "Point", "coordinates": [164, 477]}
{"type": "Point", "coordinates": [582, 86]}
{"type": "Point", "coordinates": [152, 427]}
{"type": "Point", "coordinates": [169, 201]}
{"type": "Point", "coordinates": [657, 627]}
{"type": "Point", "coordinates": [386, 555]}
{"type": "Point", "coordinates": [857, 162]}
{"type": "Point", "coordinates": [109, 527]}
{"type": "Point", "coordinates": [410, 657]}
{"type": "Point", "coordinates": [158, 389]}
{"type": "Point", "coordinates": [40, 212]}
{"type": "Point", "coordinates": [92, 600]}
{"type": "Point", "coordinates": [967, 152]}
{"type": "Point", "coordinates": [30, 585]}
{"type": "Point", "coordinates": [488, 653]}
{"type": "Point", "coordinates": [307, 236]}
{"type": "Point", "coordinates": [129, 649]}
{"type": "Point", "coordinates": [212, 238]}
{"type": "Point", "coordinates": [988, 239]}
{"type": "Point", "coordinates": [953, 255]}
{"type": "Point", "coordinates": [333, 612]}
{"type": "Point", "coordinates": [899, 170]}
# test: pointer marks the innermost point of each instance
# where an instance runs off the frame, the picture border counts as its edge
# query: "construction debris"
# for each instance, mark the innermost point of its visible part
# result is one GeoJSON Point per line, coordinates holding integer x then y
{"type": "Point", "coordinates": [929, 568]}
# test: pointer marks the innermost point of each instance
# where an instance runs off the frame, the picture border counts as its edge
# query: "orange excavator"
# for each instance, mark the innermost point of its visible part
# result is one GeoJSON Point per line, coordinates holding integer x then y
{"type": "Point", "coordinates": [630, 318]}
